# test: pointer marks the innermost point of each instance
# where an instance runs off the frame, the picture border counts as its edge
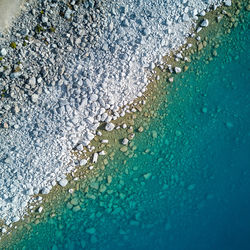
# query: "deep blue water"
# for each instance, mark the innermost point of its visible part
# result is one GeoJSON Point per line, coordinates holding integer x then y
{"type": "Point", "coordinates": [196, 154]}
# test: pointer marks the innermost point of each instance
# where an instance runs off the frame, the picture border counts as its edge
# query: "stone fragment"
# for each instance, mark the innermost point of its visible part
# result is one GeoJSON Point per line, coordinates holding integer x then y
{"type": "Point", "coordinates": [204, 23]}
{"type": "Point", "coordinates": [83, 162]}
{"type": "Point", "coordinates": [154, 134]}
{"type": "Point", "coordinates": [63, 182]}
{"type": "Point", "coordinates": [228, 3]}
{"type": "Point", "coordinates": [34, 98]}
{"type": "Point", "coordinates": [3, 52]}
{"type": "Point", "coordinates": [95, 158]}
{"type": "Point", "coordinates": [40, 209]}
{"type": "Point", "coordinates": [74, 201]}
{"type": "Point", "coordinates": [140, 129]}
{"type": "Point", "coordinates": [76, 209]}
{"type": "Point", "coordinates": [109, 126]}
{"type": "Point", "coordinates": [147, 176]}
{"type": "Point", "coordinates": [5, 125]}
{"type": "Point", "coordinates": [177, 70]}
{"type": "Point", "coordinates": [109, 179]}
{"type": "Point", "coordinates": [125, 141]}
{"type": "Point", "coordinates": [124, 149]}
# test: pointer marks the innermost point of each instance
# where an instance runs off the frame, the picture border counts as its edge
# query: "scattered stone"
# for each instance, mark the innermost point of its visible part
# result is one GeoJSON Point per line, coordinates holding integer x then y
{"type": "Point", "coordinates": [91, 230]}
{"type": "Point", "coordinates": [5, 125]}
{"type": "Point", "coordinates": [140, 129]}
{"type": "Point", "coordinates": [124, 149]}
{"type": "Point", "coordinates": [40, 209]}
{"type": "Point", "coordinates": [147, 176]}
{"type": "Point", "coordinates": [34, 98]}
{"type": "Point", "coordinates": [16, 219]}
{"type": "Point", "coordinates": [205, 23]}
{"type": "Point", "coordinates": [74, 202]}
{"type": "Point", "coordinates": [76, 209]}
{"type": "Point", "coordinates": [125, 141]}
{"type": "Point", "coordinates": [103, 188]}
{"type": "Point", "coordinates": [109, 179]}
{"type": "Point", "coordinates": [154, 134]}
{"type": "Point", "coordinates": [79, 147]}
{"type": "Point", "coordinates": [215, 53]}
{"type": "Point", "coordinates": [171, 79]}
{"type": "Point", "coordinates": [95, 158]}
{"type": "Point", "coordinates": [63, 182]}
{"type": "Point", "coordinates": [3, 52]}
{"type": "Point", "coordinates": [109, 126]}
{"type": "Point", "coordinates": [177, 70]}
{"type": "Point", "coordinates": [228, 3]}
{"type": "Point", "coordinates": [83, 162]}
{"type": "Point", "coordinates": [131, 136]}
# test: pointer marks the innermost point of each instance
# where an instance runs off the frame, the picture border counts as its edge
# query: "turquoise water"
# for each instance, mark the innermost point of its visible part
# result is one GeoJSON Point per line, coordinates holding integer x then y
{"type": "Point", "coordinates": [188, 184]}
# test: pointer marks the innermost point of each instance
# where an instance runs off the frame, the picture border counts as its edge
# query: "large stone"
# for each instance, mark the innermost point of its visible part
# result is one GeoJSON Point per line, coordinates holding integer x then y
{"type": "Point", "coordinates": [204, 23]}
{"type": "Point", "coordinates": [34, 98]}
{"type": "Point", "coordinates": [3, 52]}
{"type": "Point", "coordinates": [63, 182]}
{"type": "Point", "coordinates": [109, 126]}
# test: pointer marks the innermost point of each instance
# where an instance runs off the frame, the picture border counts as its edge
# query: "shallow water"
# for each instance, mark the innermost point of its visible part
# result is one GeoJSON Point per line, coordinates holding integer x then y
{"type": "Point", "coordinates": [188, 186]}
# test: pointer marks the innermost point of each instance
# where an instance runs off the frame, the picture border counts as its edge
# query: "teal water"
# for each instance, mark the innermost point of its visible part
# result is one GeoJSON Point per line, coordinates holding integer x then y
{"type": "Point", "coordinates": [188, 185]}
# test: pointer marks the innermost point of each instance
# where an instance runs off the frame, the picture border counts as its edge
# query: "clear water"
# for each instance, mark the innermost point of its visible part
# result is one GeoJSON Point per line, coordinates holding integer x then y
{"type": "Point", "coordinates": [197, 150]}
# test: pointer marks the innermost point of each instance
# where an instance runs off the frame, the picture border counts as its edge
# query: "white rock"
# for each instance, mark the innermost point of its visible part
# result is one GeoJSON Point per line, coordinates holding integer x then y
{"type": "Point", "coordinates": [203, 13]}
{"type": "Point", "coordinates": [40, 209]}
{"type": "Point", "coordinates": [79, 147]}
{"type": "Point", "coordinates": [34, 98]}
{"type": "Point", "coordinates": [16, 219]}
{"type": "Point", "coordinates": [185, 17]}
{"type": "Point", "coordinates": [45, 190]}
{"type": "Point", "coordinates": [125, 141]}
{"type": "Point", "coordinates": [177, 70]}
{"type": "Point", "coordinates": [198, 29]}
{"type": "Point", "coordinates": [63, 182]}
{"type": "Point", "coordinates": [68, 13]}
{"type": "Point", "coordinates": [83, 162]}
{"type": "Point", "coordinates": [95, 158]}
{"type": "Point", "coordinates": [109, 126]}
{"type": "Point", "coordinates": [3, 52]}
{"type": "Point", "coordinates": [228, 3]}
{"type": "Point", "coordinates": [194, 12]}
{"type": "Point", "coordinates": [45, 19]}
{"type": "Point", "coordinates": [102, 152]}
{"type": "Point", "coordinates": [204, 23]}
{"type": "Point", "coordinates": [99, 133]}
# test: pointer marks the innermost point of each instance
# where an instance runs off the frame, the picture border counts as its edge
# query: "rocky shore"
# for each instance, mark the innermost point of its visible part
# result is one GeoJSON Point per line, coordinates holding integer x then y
{"type": "Point", "coordinates": [67, 67]}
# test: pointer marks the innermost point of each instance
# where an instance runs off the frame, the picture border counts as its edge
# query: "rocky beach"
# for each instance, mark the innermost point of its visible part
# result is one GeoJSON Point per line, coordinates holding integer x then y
{"type": "Point", "coordinates": [71, 73]}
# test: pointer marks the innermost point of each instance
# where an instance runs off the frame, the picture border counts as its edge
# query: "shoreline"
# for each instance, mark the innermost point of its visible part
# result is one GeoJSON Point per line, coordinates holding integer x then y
{"type": "Point", "coordinates": [43, 119]}
{"type": "Point", "coordinates": [118, 143]}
